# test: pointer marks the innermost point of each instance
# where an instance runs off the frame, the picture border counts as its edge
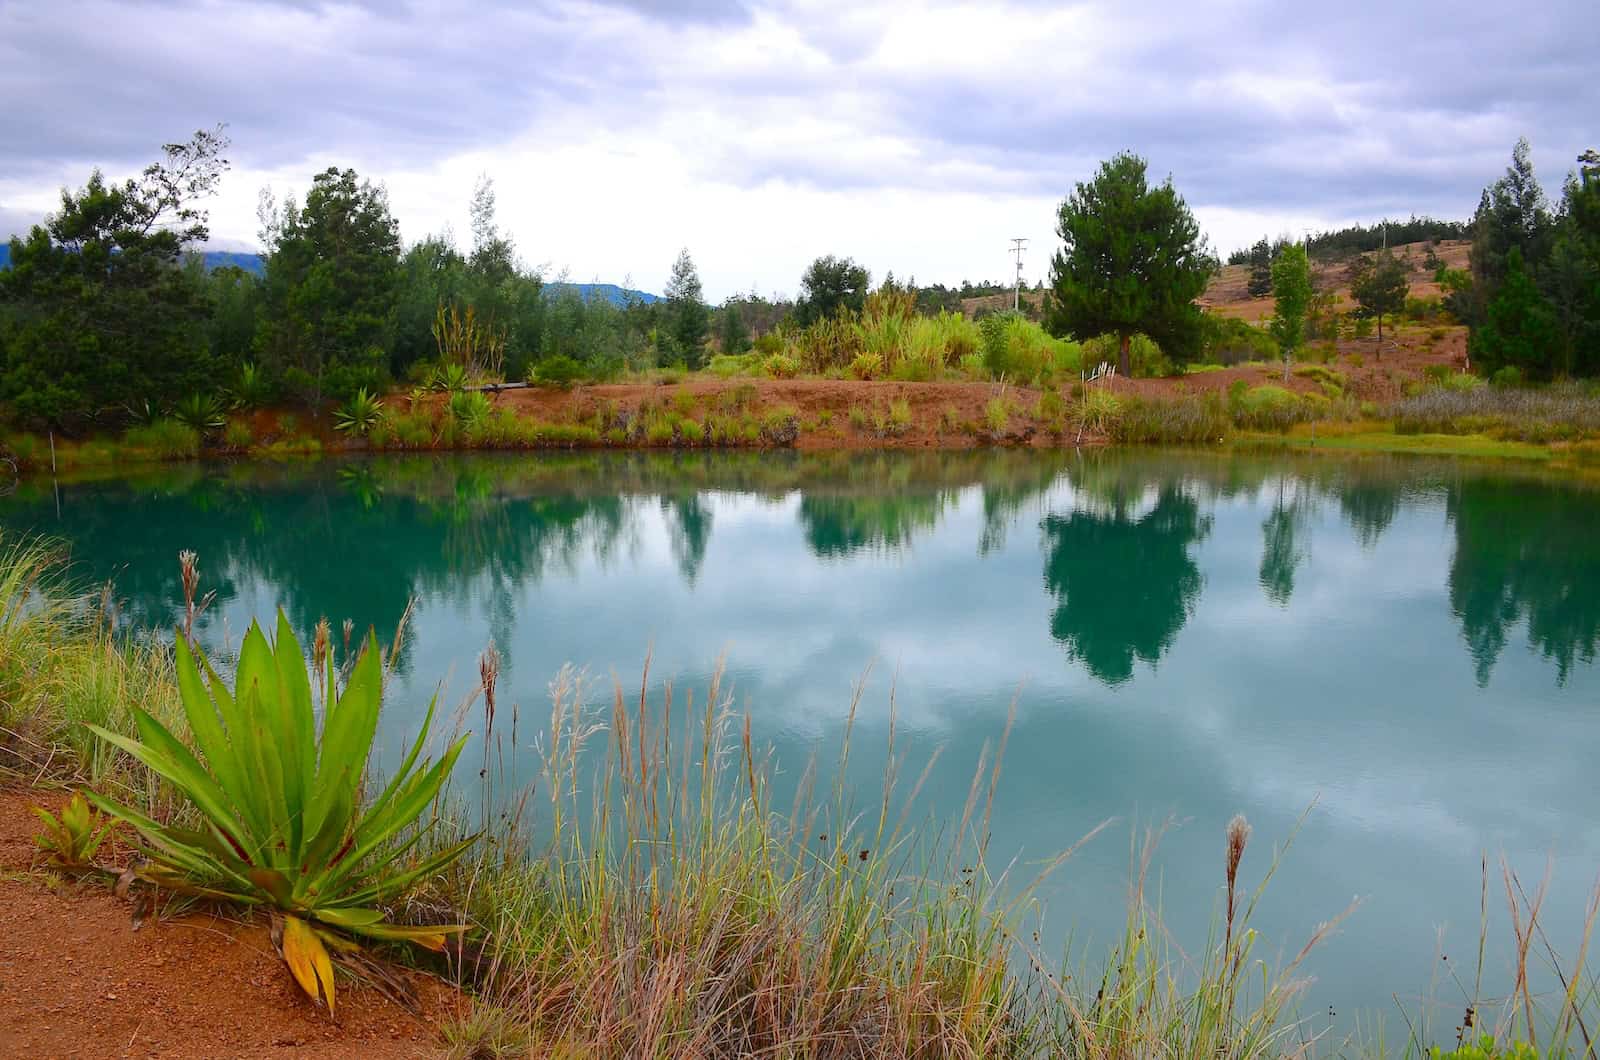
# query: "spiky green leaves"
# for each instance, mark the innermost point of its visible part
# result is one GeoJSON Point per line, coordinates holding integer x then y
{"type": "Point", "coordinates": [283, 821]}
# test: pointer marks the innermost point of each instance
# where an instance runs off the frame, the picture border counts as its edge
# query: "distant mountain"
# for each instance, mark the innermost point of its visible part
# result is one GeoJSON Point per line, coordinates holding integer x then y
{"type": "Point", "coordinates": [214, 259]}
{"type": "Point", "coordinates": [609, 291]}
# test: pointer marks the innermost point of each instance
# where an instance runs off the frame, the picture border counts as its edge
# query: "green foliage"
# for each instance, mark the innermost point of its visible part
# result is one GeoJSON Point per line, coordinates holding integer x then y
{"type": "Point", "coordinates": [331, 279]}
{"type": "Point", "coordinates": [449, 378]}
{"type": "Point", "coordinates": [165, 439]}
{"type": "Point", "coordinates": [71, 840]}
{"type": "Point", "coordinates": [360, 414]}
{"type": "Point", "coordinates": [1098, 411]}
{"type": "Point", "coordinates": [1379, 286]}
{"type": "Point", "coordinates": [865, 366]}
{"type": "Point", "coordinates": [830, 285]}
{"type": "Point", "coordinates": [1510, 376]}
{"type": "Point", "coordinates": [1260, 261]}
{"type": "Point", "coordinates": [1519, 329]}
{"type": "Point", "coordinates": [997, 415]}
{"type": "Point", "coordinates": [1015, 347]}
{"type": "Point", "coordinates": [202, 413]}
{"type": "Point", "coordinates": [282, 823]}
{"type": "Point", "coordinates": [688, 319]}
{"type": "Point", "coordinates": [732, 334]}
{"type": "Point", "coordinates": [469, 407]}
{"type": "Point", "coordinates": [779, 366]}
{"type": "Point", "coordinates": [1185, 420]}
{"type": "Point", "coordinates": [1146, 357]}
{"type": "Point", "coordinates": [558, 371]}
{"type": "Point", "coordinates": [1267, 408]}
{"type": "Point", "coordinates": [251, 388]}
{"type": "Point", "coordinates": [238, 435]}
{"type": "Point", "coordinates": [98, 307]}
{"type": "Point", "coordinates": [1132, 261]}
{"type": "Point", "coordinates": [1486, 1048]}
{"type": "Point", "coordinates": [1291, 293]}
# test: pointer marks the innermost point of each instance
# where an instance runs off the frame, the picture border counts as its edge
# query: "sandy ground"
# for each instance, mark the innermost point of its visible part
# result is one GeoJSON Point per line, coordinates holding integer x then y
{"type": "Point", "coordinates": [76, 979]}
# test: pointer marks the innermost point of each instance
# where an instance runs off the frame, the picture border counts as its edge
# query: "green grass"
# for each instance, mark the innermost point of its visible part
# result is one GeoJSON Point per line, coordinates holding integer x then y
{"type": "Point", "coordinates": [1387, 441]}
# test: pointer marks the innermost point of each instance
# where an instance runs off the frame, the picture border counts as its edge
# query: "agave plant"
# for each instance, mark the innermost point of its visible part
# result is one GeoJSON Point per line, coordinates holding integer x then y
{"type": "Point", "coordinates": [469, 407]}
{"type": "Point", "coordinates": [252, 389]}
{"type": "Point", "coordinates": [282, 823]}
{"type": "Point", "coordinates": [203, 412]}
{"type": "Point", "coordinates": [70, 841]}
{"type": "Point", "coordinates": [450, 377]}
{"type": "Point", "coordinates": [360, 414]}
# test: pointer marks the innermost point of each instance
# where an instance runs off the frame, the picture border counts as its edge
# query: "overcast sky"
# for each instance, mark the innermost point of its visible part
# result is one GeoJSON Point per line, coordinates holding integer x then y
{"type": "Point", "coordinates": [917, 137]}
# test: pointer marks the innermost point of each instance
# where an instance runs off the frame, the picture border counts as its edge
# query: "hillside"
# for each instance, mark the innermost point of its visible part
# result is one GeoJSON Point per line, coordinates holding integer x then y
{"type": "Point", "coordinates": [1227, 295]}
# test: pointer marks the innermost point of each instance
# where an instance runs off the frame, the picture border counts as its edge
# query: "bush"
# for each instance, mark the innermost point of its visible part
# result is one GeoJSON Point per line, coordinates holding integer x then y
{"type": "Point", "coordinates": [201, 412]}
{"type": "Point", "coordinates": [359, 414]}
{"type": "Point", "coordinates": [1099, 411]}
{"type": "Point", "coordinates": [1017, 348]}
{"type": "Point", "coordinates": [558, 371]}
{"type": "Point", "coordinates": [1144, 356]}
{"type": "Point", "coordinates": [726, 366]}
{"type": "Point", "coordinates": [866, 366]}
{"type": "Point", "coordinates": [469, 407]}
{"type": "Point", "coordinates": [1227, 341]}
{"type": "Point", "coordinates": [1510, 375]}
{"type": "Point", "coordinates": [997, 415]}
{"type": "Point", "coordinates": [165, 439]}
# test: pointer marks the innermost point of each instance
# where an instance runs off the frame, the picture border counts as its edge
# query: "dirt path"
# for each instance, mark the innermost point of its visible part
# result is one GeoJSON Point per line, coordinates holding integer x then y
{"type": "Point", "coordinates": [76, 980]}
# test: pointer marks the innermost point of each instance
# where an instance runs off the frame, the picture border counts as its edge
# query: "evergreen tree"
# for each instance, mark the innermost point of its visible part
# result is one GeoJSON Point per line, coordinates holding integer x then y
{"type": "Point", "coordinates": [733, 335]}
{"type": "Point", "coordinates": [1260, 283]}
{"type": "Point", "coordinates": [1511, 213]}
{"type": "Point", "coordinates": [331, 277]}
{"type": "Point", "coordinates": [100, 307]}
{"type": "Point", "coordinates": [688, 319]}
{"type": "Point", "coordinates": [1132, 260]}
{"type": "Point", "coordinates": [1519, 328]}
{"type": "Point", "coordinates": [1379, 286]}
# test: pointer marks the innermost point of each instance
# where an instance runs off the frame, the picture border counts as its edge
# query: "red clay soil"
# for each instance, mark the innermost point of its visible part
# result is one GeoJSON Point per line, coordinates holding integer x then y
{"type": "Point", "coordinates": [76, 979]}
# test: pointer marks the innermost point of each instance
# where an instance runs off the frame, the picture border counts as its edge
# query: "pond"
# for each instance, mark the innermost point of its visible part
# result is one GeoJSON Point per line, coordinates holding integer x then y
{"type": "Point", "coordinates": [1402, 652]}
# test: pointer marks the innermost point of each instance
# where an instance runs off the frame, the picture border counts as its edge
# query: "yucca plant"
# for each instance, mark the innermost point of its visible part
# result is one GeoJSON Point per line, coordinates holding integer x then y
{"type": "Point", "coordinates": [360, 414]}
{"type": "Point", "coordinates": [252, 389]}
{"type": "Point", "coordinates": [450, 377]}
{"type": "Point", "coordinates": [282, 823]}
{"type": "Point", "coordinates": [202, 412]}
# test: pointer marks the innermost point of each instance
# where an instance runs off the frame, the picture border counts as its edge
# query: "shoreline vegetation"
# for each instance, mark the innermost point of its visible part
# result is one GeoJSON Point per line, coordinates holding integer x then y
{"type": "Point", "coordinates": [117, 346]}
{"type": "Point", "coordinates": [646, 897]}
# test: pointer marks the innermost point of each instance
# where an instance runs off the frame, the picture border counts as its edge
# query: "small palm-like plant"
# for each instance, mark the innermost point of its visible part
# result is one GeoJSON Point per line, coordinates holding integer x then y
{"type": "Point", "coordinates": [70, 841]}
{"type": "Point", "coordinates": [252, 389]}
{"type": "Point", "coordinates": [202, 412]}
{"type": "Point", "coordinates": [360, 414]}
{"type": "Point", "coordinates": [282, 823]}
{"type": "Point", "coordinates": [469, 407]}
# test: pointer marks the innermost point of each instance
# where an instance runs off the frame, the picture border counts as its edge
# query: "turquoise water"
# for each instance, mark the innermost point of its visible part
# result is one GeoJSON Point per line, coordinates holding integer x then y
{"type": "Point", "coordinates": [1401, 651]}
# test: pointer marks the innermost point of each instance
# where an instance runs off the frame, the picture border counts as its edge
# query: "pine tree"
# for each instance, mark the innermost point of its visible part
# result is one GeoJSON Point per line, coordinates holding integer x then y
{"type": "Point", "coordinates": [1260, 283]}
{"type": "Point", "coordinates": [1519, 328]}
{"type": "Point", "coordinates": [1132, 261]}
{"type": "Point", "coordinates": [688, 319]}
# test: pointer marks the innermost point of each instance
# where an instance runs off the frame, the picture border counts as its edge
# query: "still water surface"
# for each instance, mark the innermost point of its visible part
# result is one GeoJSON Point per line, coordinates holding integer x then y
{"type": "Point", "coordinates": [1405, 648]}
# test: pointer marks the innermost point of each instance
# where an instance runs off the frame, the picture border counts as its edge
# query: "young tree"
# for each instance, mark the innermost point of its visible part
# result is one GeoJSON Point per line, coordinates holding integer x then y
{"type": "Point", "coordinates": [689, 320]}
{"type": "Point", "coordinates": [1511, 213]}
{"type": "Point", "coordinates": [1379, 286]}
{"type": "Point", "coordinates": [102, 309]}
{"type": "Point", "coordinates": [1132, 260]}
{"type": "Point", "coordinates": [831, 284]}
{"type": "Point", "coordinates": [331, 276]}
{"type": "Point", "coordinates": [493, 255]}
{"type": "Point", "coordinates": [1291, 291]}
{"type": "Point", "coordinates": [1260, 282]}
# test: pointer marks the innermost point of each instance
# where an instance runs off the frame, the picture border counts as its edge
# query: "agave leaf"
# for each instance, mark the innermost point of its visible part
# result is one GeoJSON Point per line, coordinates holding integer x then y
{"type": "Point", "coordinates": [348, 727]}
{"type": "Point", "coordinates": [179, 848]}
{"type": "Point", "coordinates": [308, 960]}
{"type": "Point", "coordinates": [431, 936]}
{"type": "Point", "coordinates": [274, 883]}
{"type": "Point", "coordinates": [298, 744]}
{"type": "Point", "coordinates": [390, 886]}
{"type": "Point", "coordinates": [376, 830]}
{"type": "Point", "coordinates": [206, 725]}
{"type": "Point", "coordinates": [349, 918]}
{"type": "Point", "coordinates": [174, 762]}
{"type": "Point", "coordinates": [381, 803]}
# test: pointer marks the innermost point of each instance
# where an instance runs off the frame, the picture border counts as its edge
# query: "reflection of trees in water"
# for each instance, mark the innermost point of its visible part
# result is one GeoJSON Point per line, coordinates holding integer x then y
{"type": "Point", "coordinates": [689, 522]}
{"type": "Point", "coordinates": [1124, 583]}
{"type": "Point", "coordinates": [1284, 544]}
{"type": "Point", "coordinates": [1524, 550]}
{"type": "Point", "coordinates": [1369, 504]}
{"type": "Point", "coordinates": [837, 525]}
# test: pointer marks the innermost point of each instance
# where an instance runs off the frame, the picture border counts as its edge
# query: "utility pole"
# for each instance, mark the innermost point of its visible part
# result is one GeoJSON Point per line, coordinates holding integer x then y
{"type": "Point", "coordinates": [1017, 246]}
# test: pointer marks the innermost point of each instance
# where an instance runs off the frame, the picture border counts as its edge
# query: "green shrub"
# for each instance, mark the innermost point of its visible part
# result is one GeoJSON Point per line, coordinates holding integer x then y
{"type": "Point", "coordinates": [767, 345]}
{"type": "Point", "coordinates": [449, 378]}
{"type": "Point", "coordinates": [780, 366]}
{"type": "Point", "coordinates": [1268, 408]}
{"type": "Point", "coordinates": [1051, 409]}
{"type": "Point", "coordinates": [997, 415]}
{"type": "Point", "coordinates": [251, 389]}
{"type": "Point", "coordinates": [1510, 376]}
{"type": "Point", "coordinates": [468, 407]}
{"type": "Point", "coordinates": [866, 366]}
{"type": "Point", "coordinates": [1098, 412]}
{"type": "Point", "coordinates": [972, 366]}
{"type": "Point", "coordinates": [165, 439]}
{"type": "Point", "coordinates": [726, 366]}
{"type": "Point", "coordinates": [1144, 356]}
{"type": "Point", "coordinates": [1015, 347]}
{"type": "Point", "coordinates": [557, 371]}
{"type": "Point", "coordinates": [1229, 341]}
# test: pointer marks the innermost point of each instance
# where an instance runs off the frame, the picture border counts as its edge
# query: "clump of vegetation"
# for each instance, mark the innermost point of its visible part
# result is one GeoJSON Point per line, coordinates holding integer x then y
{"type": "Point", "coordinates": [1267, 408]}
{"type": "Point", "coordinates": [1561, 412]}
{"type": "Point", "coordinates": [238, 434]}
{"type": "Point", "coordinates": [165, 439]}
{"type": "Point", "coordinates": [558, 371]}
{"type": "Point", "coordinates": [1097, 412]}
{"type": "Point", "coordinates": [781, 366]}
{"type": "Point", "coordinates": [201, 412]}
{"type": "Point", "coordinates": [1018, 349]}
{"type": "Point", "coordinates": [997, 415]}
{"type": "Point", "coordinates": [283, 825]}
{"type": "Point", "coordinates": [1185, 420]}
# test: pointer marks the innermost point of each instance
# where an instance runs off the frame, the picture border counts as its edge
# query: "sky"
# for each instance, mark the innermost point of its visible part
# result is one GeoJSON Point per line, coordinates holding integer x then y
{"type": "Point", "coordinates": [915, 137]}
